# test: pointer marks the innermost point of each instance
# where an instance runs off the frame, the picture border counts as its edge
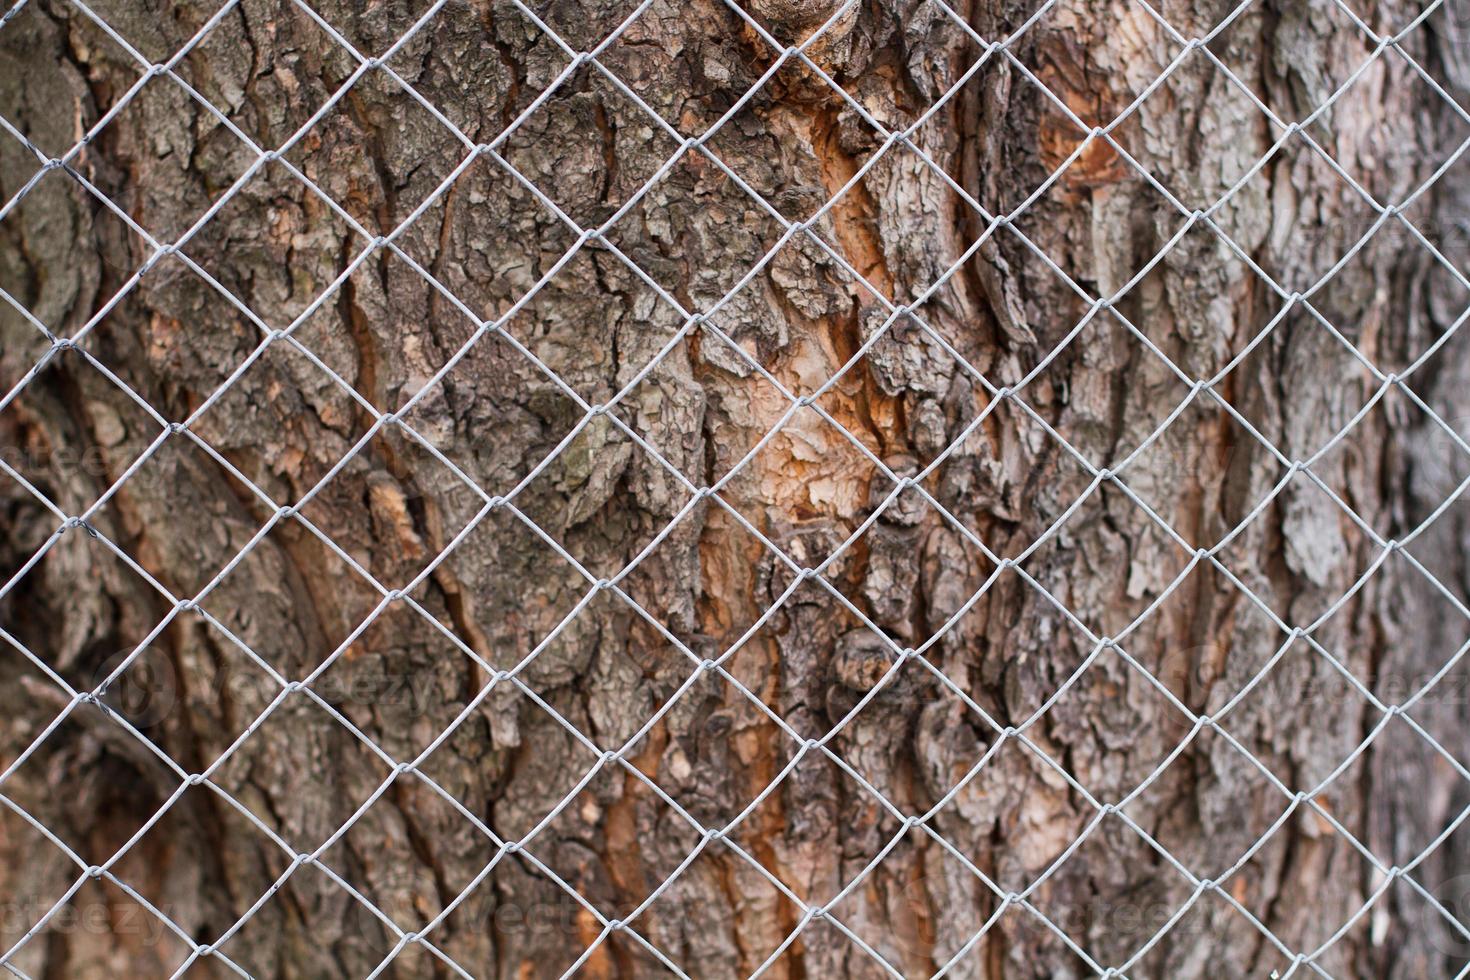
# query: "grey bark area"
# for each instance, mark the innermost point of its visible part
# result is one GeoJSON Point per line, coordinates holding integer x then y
{"type": "Point", "coordinates": [510, 760]}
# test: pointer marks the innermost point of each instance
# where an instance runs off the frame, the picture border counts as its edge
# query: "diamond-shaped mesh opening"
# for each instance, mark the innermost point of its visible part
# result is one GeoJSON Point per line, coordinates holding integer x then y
{"type": "Point", "coordinates": [181, 476]}
{"type": "Point", "coordinates": [1444, 237]}
{"type": "Point", "coordinates": [1211, 927]}
{"type": "Point", "coordinates": [639, 55]}
{"type": "Point", "coordinates": [595, 343]}
{"type": "Point", "coordinates": [296, 725]}
{"type": "Point", "coordinates": [277, 273]}
{"type": "Point", "coordinates": [30, 108]}
{"type": "Point", "coordinates": [482, 103]}
{"type": "Point", "coordinates": [1111, 929]}
{"type": "Point", "coordinates": [273, 381]}
{"type": "Point", "coordinates": [145, 137]}
{"type": "Point", "coordinates": [602, 500]}
{"type": "Point", "coordinates": [485, 204]}
{"type": "Point", "coordinates": [352, 335]}
{"type": "Point", "coordinates": [155, 35]}
{"type": "Point", "coordinates": [584, 128]}
{"type": "Point", "coordinates": [903, 886]}
{"type": "Point", "coordinates": [123, 783]}
{"type": "Point", "coordinates": [1334, 859]}
{"type": "Point", "coordinates": [377, 858]}
{"type": "Point", "coordinates": [373, 497]}
{"type": "Point", "coordinates": [61, 283]}
{"type": "Point", "coordinates": [1348, 58]}
{"type": "Point", "coordinates": [481, 594]}
{"type": "Point", "coordinates": [702, 271]}
{"type": "Point", "coordinates": [273, 566]}
{"type": "Point", "coordinates": [1213, 502]}
{"type": "Point", "coordinates": [94, 629]}
{"type": "Point", "coordinates": [269, 67]}
{"type": "Point", "coordinates": [815, 791]}
{"type": "Point", "coordinates": [735, 950]}
{"type": "Point", "coordinates": [382, 187]}
{"type": "Point", "coordinates": [614, 805]}
{"type": "Point", "coordinates": [811, 661]}
{"type": "Point", "coordinates": [1198, 94]}
{"type": "Point", "coordinates": [293, 912]}
{"type": "Point", "coordinates": [74, 476]}
{"type": "Point", "coordinates": [1330, 570]}
{"type": "Point", "coordinates": [190, 673]}
{"type": "Point", "coordinates": [171, 320]}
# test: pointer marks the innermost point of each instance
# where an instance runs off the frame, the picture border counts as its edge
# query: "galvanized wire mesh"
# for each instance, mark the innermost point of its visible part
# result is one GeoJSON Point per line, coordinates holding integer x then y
{"type": "Point", "coordinates": [707, 322]}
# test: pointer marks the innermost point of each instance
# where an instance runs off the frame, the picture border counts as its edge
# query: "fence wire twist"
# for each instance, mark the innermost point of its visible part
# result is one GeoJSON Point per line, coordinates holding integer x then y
{"type": "Point", "coordinates": [704, 321]}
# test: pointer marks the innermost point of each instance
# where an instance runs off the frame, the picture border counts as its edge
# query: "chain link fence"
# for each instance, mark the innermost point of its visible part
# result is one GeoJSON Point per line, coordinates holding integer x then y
{"type": "Point", "coordinates": [121, 672]}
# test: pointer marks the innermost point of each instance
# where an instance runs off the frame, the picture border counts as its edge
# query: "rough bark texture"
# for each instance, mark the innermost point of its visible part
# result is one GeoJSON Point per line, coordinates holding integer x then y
{"type": "Point", "coordinates": [284, 424]}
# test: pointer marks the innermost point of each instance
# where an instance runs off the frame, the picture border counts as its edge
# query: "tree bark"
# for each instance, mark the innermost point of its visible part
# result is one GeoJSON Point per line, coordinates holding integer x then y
{"type": "Point", "coordinates": [1011, 636]}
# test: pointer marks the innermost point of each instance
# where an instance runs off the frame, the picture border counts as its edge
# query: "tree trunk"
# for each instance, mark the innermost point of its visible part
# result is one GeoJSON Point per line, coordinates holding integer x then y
{"type": "Point", "coordinates": [956, 614]}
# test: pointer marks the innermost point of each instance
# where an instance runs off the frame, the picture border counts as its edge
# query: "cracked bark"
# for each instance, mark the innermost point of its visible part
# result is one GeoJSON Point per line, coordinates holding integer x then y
{"type": "Point", "coordinates": [284, 425]}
